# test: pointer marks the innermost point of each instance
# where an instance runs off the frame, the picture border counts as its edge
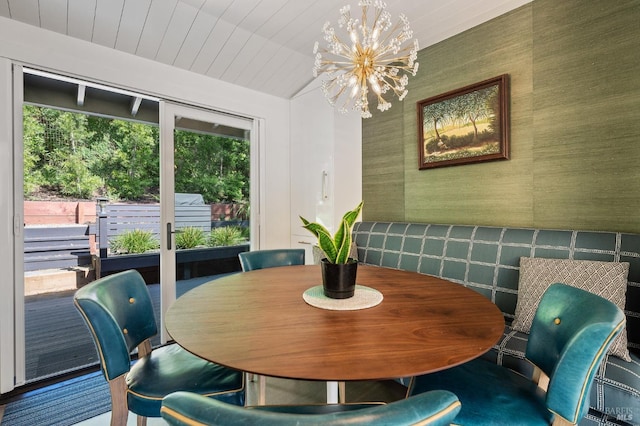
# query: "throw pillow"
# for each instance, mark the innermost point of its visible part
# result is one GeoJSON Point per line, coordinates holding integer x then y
{"type": "Point", "coordinates": [606, 279]}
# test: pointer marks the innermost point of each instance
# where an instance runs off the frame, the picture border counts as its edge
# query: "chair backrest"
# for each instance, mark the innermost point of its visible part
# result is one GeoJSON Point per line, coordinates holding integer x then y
{"type": "Point", "coordinates": [260, 259]}
{"type": "Point", "coordinates": [571, 332]}
{"type": "Point", "coordinates": [433, 408]}
{"type": "Point", "coordinates": [119, 313]}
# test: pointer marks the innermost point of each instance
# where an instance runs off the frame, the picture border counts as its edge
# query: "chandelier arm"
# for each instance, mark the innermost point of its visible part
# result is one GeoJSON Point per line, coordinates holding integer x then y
{"type": "Point", "coordinates": [406, 48]}
{"type": "Point", "coordinates": [397, 87]}
{"type": "Point", "coordinates": [388, 48]}
{"type": "Point", "coordinates": [333, 98]}
{"type": "Point", "coordinates": [404, 60]}
{"type": "Point", "coordinates": [346, 103]}
{"type": "Point", "coordinates": [400, 62]}
{"type": "Point", "coordinates": [344, 49]}
{"type": "Point", "coordinates": [381, 100]}
{"type": "Point", "coordinates": [391, 34]}
{"type": "Point", "coordinates": [393, 62]}
{"type": "Point", "coordinates": [376, 20]}
{"type": "Point", "coordinates": [340, 64]}
{"type": "Point", "coordinates": [395, 80]}
{"type": "Point", "coordinates": [363, 17]}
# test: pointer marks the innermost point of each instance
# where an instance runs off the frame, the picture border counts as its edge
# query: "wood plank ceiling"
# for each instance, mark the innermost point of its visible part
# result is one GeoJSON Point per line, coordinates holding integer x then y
{"type": "Point", "coordinates": [265, 45]}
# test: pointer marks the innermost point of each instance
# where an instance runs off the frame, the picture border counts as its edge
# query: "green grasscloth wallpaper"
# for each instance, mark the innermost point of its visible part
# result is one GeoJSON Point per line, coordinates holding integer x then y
{"type": "Point", "coordinates": [574, 70]}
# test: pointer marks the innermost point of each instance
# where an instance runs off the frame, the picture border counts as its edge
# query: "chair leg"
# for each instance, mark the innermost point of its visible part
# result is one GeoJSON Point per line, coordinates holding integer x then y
{"type": "Point", "coordinates": [559, 421]}
{"type": "Point", "coordinates": [541, 379]}
{"type": "Point", "coordinates": [342, 392]}
{"type": "Point", "coordinates": [262, 390]}
{"type": "Point", "coordinates": [119, 408]}
{"type": "Point", "coordinates": [142, 421]}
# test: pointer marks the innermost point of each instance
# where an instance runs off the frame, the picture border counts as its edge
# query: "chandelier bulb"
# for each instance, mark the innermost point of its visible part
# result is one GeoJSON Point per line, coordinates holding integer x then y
{"type": "Point", "coordinates": [354, 91]}
{"type": "Point", "coordinates": [354, 36]}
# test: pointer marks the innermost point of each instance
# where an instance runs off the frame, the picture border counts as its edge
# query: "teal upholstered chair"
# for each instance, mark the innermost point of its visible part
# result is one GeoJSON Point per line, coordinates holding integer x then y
{"type": "Point", "coordinates": [119, 313]}
{"type": "Point", "coordinates": [571, 332]}
{"type": "Point", "coordinates": [260, 259]}
{"type": "Point", "coordinates": [432, 408]}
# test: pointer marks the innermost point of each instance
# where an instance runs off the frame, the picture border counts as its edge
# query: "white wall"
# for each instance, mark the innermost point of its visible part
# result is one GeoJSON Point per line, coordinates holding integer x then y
{"type": "Point", "coordinates": [322, 140]}
{"type": "Point", "coordinates": [54, 52]}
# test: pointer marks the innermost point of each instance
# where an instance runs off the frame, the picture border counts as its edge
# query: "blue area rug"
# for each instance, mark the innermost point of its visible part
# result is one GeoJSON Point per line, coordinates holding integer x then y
{"type": "Point", "coordinates": [62, 404]}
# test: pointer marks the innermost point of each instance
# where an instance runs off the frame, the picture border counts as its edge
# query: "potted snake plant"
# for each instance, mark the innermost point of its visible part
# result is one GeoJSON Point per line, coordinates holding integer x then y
{"type": "Point", "coordinates": [338, 269]}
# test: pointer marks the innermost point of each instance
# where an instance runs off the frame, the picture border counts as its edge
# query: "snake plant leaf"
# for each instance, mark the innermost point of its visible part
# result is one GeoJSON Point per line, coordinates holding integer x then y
{"type": "Point", "coordinates": [328, 246]}
{"type": "Point", "coordinates": [338, 247]}
{"type": "Point", "coordinates": [345, 245]}
{"type": "Point", "coordinates": [314, 227]}
{"type": "Point", "coordinates": [343, 231]}
{"type": "Point", "coordinates": [325, 241]}
{"type": "Point", "coordinates": [351, 216]}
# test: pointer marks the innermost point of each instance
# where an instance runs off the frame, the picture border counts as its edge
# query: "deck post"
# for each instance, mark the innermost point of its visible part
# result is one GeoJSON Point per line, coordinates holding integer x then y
{"type": "Point", "coordinates": [101, 213]}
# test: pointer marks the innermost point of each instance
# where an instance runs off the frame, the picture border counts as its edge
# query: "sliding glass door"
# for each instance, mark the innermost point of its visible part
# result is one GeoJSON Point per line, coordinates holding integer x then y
{"type": "Point", "coordinates": [88, 153]}
{"type": "Point", "coordinates": [206, 171]}
{"type": "Point", "coordinates": [188, 174]}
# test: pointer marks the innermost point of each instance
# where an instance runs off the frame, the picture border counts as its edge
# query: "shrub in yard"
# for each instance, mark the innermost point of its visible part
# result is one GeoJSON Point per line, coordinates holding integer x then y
{"type": "Point", "coordinates": [190, 237]}
{"type": "Point", "coordinates": [226, 236]}
{"type": "Point", "coordinates": [246, 233]}
{"type": "Point", "coordinates": [135, 241]}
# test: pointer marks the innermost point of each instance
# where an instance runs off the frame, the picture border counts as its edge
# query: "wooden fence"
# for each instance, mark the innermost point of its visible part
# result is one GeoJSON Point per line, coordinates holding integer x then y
{"type": "Point", "coordinates": [53, 247]}
{"type": "Point", "coordinates": [75, 231]}
{"type": "Point", "coordinates": [59, 212]}
{"type": "Point", "coordinates": [82, 212]}
{"type": "Point", "coordinates": [120, 218]}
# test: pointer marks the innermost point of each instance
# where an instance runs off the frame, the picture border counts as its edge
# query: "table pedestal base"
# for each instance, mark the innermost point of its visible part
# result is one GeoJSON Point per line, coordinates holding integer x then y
{"type": "Point", "coordinates": [336, 393]}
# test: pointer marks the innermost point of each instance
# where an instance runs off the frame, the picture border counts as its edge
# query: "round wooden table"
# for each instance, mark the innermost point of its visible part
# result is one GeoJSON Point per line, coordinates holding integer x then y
{"type": "Point", "coordinates": [258, 322]}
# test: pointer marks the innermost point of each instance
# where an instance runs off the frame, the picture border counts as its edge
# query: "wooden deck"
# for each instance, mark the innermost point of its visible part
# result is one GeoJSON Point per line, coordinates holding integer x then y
{"type": "Point", "coordinates": [57, 339]}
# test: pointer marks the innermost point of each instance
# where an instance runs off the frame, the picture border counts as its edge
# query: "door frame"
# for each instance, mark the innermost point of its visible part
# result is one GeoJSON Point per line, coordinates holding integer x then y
{"type": "Point", "coordinates": [12, 364]}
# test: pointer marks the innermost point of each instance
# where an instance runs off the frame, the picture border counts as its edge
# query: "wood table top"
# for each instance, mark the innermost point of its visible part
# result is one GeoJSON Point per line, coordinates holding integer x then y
{"type": "Point", "coordinates": [258, 322]}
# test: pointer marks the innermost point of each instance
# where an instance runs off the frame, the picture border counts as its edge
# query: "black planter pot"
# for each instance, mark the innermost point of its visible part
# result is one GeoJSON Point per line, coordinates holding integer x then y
{"type": "Point", "coordinates": [339, 280]}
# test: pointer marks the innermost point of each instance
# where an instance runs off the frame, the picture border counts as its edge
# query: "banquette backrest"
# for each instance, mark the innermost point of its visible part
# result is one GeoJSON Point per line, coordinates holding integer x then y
{"type": "Point", "coordinates": [487, 258]}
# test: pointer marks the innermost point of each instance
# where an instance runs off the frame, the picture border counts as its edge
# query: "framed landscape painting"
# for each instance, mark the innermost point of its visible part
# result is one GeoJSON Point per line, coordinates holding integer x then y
{"type": "Point", "coordinates": [466, 125]}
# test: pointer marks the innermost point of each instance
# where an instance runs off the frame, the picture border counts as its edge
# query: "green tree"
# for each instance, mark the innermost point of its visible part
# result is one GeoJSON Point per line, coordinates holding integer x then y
{"type": "Point", "coordinates": [128, 158]}
{"type": "Point", "coordinates": [474, 106]}
{"type": "Point", "coordinates": [34, 150]}
{"type": "Point", "coordinates": [84, 156]}
{"type": "Point", "coordinates": [214, 166]}
{"type": "Point", "coordinates": [56, 156]}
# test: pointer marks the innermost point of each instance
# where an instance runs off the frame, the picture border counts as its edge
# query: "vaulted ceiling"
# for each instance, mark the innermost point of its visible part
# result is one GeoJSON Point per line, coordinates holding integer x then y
{"type": "Point", "coordinates": [264, 45]}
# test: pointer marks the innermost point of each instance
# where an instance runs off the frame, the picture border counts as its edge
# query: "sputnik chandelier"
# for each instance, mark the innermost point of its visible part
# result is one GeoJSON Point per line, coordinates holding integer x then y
{"type": "Point", "coordinates": [378, 59]}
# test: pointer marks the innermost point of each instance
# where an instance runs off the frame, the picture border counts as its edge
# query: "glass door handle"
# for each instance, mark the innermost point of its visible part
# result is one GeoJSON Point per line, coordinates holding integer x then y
{"type": "Point", "coordinates": [169, 232]}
